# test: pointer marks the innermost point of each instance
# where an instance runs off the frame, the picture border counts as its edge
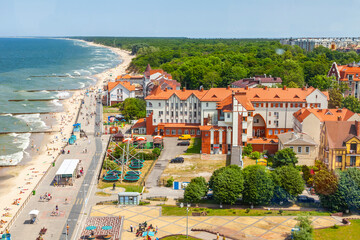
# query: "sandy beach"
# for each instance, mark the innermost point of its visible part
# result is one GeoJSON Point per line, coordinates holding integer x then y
{"type": "Point", "coordinates": [19, 181]}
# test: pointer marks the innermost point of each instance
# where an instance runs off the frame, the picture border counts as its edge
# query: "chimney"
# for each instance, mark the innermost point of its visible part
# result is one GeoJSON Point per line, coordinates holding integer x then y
{"type": "Point", "coordinates": [228, 87]}
{"type": "Point", "coordinates": [166, 89]}
{"type": "Point", "coordinates": [184, 88]}
{"type": "Point", "coordinates": [303, 88]}
{"type": "Point", "coordinates": [270, 76]}
{"type": "Point", "coordinates": [246, 87]}
{"type": "Point", "coordinates": [265, 75]}
{"type": "Point", "coordinates": [265, 88]}
{"type": "Point", "coordinates": [339, 118]}
{"type": "Point", "coordinates": [284, 87]}
{"type": "Point", "coordinates": [357, 126]}
{"type": "Point", "coordinates": [201, 89]}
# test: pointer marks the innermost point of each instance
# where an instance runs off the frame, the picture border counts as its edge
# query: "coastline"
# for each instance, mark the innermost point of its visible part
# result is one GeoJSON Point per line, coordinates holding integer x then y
{"type": "Point", "coordinates": [19, 181]}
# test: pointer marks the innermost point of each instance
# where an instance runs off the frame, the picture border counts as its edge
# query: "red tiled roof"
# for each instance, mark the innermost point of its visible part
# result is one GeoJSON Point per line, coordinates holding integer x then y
{"type": "Point", "coordinates": [338, 131]}
{"type": "Point", "coordinates": [125, 84]}
{"type": "Point", "coordinates": [244, 101]}
{"type": "Point", "coordinates": [141, 123]}
{"type": "Point", "coordinates": [111, 85]}
{"type": "Point", "coordinates": [262, 141]}
{"type": "Point", "coordinates": [345, 70]}
{"type": "Point", "coordinates": [180, 125]}
{"type": "Point", "coordinates": [183, 95]}
{"type": "Point", "coordinates": [324, 114]}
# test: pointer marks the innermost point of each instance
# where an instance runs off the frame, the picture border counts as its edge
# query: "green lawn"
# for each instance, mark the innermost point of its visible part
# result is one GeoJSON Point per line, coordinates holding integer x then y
{"type": "Point", "coordinates": [195, 146]}
{"type": "Point", "coordinates": [177, 211]}
{"type": "Point", "coordinates": [350, 232]}
{"type": "Point", "coordinates": [178, 237]}
{"type": "Point", "coordinates": [109, 109]}
{"type": "Point", "coordinates": [128, 188]}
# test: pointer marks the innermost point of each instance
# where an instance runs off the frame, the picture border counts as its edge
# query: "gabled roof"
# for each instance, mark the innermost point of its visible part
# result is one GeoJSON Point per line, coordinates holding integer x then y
{"type": "Point", "coordinates": [296, 139]}
{"type": "Point", "coordinates": [338, 131]}
{"type": "Point", "coordinates": [216, 94]}
{"type": "Point", "coordinates": [182, 95]}
{"type": "Point", "coordinates": [125, 84]}
{"type": "Point", "coordinates": [141, 123]}
{"type": "Point", "coordinates": [244, 101]}
{"type": "Point", "coordinates": [341, 114]}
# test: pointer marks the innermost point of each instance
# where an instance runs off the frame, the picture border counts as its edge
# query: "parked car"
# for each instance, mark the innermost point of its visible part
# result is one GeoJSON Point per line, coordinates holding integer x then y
{"type": "Point", "coordinates": [305, 199]}
{"type": "Point", "coordinates": [177, 160]}
{"type": "Point", "coordinates": [185, 137]}
{"type": "Point", "coordinates": [183, 143]}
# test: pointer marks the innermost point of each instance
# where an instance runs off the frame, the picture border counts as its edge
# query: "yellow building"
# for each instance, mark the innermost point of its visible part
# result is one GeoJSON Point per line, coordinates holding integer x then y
{"type": "Point", "coordinates": [340, 144]}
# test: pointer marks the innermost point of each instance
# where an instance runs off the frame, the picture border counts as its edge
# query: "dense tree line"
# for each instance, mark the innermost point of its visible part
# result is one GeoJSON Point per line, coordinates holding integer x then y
{"type": "Point", "coordinates": [218, 62]}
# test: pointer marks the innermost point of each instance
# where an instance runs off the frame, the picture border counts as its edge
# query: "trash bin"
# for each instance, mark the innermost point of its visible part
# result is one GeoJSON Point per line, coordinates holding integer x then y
{"type": "Point", "coordinates": [33, 192]}
{"type": "Point", "coordinates": [53, 164]}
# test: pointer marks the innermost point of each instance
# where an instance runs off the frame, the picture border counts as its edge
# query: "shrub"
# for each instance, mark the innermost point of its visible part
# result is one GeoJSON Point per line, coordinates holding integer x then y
{"type": "Point", "coordinates": [255, 155]}
{"type": "Point", "coordinates": [247, 150]}
{"type": "Point", "coordinates": [156, 151]}
{"type": "Point", "coordinates": [108, 164]}
{"type": "Point", "coordinates": [247, 210]}
{"type": "Point", "coordinates": [169, 182]}
{"type": "Point", "coordinates": [281, 211]}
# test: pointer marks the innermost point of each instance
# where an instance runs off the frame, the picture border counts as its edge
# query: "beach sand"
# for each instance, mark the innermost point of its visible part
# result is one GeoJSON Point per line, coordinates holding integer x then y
{"type": "Point", "coordinates": [18, 182]}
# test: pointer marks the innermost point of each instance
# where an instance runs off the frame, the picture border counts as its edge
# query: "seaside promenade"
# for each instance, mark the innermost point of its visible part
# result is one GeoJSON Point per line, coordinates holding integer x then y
{"type": "Point", "coordinates": [70, 200]}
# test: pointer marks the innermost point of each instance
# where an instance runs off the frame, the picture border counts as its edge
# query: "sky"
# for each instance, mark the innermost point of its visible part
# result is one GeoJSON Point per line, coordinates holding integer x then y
{"type": "Point", "coordinates": [180, 18]}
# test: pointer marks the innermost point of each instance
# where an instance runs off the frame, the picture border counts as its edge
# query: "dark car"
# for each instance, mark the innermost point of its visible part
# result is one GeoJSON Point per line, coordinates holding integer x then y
{"type": "Point", "coordinates": [183, 143]}
{"type": "Point", "coordinates": [177, 160]}
{"type": "Point", "coordinates": [305, 199]}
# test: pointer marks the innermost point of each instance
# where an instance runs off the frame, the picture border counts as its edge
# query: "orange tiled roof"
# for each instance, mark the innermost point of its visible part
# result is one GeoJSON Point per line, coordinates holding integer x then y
{"type": "Point", "coordinates": [252, 94]}
{"type": "Point", "coordinates": [324, 114]}
{"type": "Point", "coordinates": [244, 101]}
{"type": "Point", "coordinates": [262, 141]}
{"type": "Point", "coordinates": [126, 84]}
{"type": "Point", "coordinates": [141, 123]}
{"type": "Point", "coordinates": [208, 127]}
{"type": "Point", "coordinates": [345, 70]}
{"type": "Point", "coordinates": [111, 85]}
{"type": "Point", "coordinates": [226, 104]}
{"type": "Point", "coordinates": [180, 125]}
{"type": "Point", "coordinates": [152, 71]}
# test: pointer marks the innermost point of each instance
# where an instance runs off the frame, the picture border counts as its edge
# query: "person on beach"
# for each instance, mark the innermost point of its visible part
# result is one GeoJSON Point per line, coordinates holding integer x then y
{"type": "Point", "coordinates": [56, 208]}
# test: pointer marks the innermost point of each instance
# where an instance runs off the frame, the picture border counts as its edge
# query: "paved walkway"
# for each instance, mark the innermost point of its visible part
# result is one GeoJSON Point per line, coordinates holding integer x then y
{"type": "Point", "coordinates": [264, 227]}
{"type": "Point", "coordinates": [171, 150]}
{"type": "Point", "coordinates": [75, 194]}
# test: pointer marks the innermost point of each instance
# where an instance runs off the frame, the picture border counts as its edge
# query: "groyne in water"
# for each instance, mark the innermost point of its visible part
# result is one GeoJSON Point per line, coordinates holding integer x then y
{"type": "Point", "coordinates": [50, 90]}
{"type": "Point", "coordinates": [24, 113]}
{"type": "Point", "coordinates": [45, 131]}
{"type": "Point", "coordinates": [36, 100]}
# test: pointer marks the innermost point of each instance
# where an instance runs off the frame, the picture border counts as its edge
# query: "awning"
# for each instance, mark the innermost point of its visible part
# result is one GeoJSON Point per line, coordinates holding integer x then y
{"type": "Point", "coordinates": [68, 167]}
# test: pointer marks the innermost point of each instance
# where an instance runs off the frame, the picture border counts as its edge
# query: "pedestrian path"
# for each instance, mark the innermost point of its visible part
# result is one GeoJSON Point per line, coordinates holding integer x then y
{"type": "Point", "coordinates": [251, 227]}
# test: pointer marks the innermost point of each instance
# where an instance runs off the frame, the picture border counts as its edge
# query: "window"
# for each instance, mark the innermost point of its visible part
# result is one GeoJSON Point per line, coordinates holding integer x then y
{"type": "Point", "coordinates": [186, 131]}
{"type": "Point", "coordinates": [150, 104]}
{"type": "Point", "coordinates": [197, 132]}
{"type": "Point", "coordinates": [353, 147]}
{"type": "Point", "coordinates": [161, 120]}
{"type": "Point", "coordinates": [276, 123]}
{"type": "Point", "coordinates": [185, 120]}
{"type": "Point", "coordinates": [307, 149]}
{"type": "Point", "coordinates": [167, 104]}
{"type": "Point", "coordinates": [167, 132]}
{"type": "Point", "coordinates": [185, 104]}
{"type": "Point", "coordinates": [154, 120]}
{"type": "Point", "coordinates": [173, 132]}
{"type": "Point", "coordinates": [167, 112]}
{"type": "Point", "coordinates": [181, 105]}
{"type": "Point", "coordinates": [192, 131]}
{"type": "Point", "coordinates": [194, 105]}
{"type": "Point", "coordinates": [228, 115]}
{"type": "Point", "coordinates": [167, 120]}
{"type": "Point", "coordinates": [339, 159]}
{"type": "Point", "coordinates": [276, 132]}
{"type": "Point", "coordinates": [256, 120]}
{"type": "Point", "coordinates": [292, 147]}
{"type": "Point", "coordinates": [269, 122]}
{"type": "Point", "coordinates": [159, 104]}
{"type": "Point", "coordinates": [281, 131]}
{"type": "Point", "coordinates": [352, 161]}
{"type": "Point", "coordinates": [270, 132]}
{"type": "Point", "coordinates": [179, 132]}
{"type": "Point", "coordinates": [207, 104]}
{"type": "Point", "coordinates": [194, 114]}
{"type": "Point", "coordinates": [177, 120]}
{"type": "Point", "coordinates": [299, 149]}
{"type": "Point", "coordinates": [269, 114]}
{"type": "Point", "coordinates": [172, 105]}
{"type": "Point", "coordinates": [176, 105]}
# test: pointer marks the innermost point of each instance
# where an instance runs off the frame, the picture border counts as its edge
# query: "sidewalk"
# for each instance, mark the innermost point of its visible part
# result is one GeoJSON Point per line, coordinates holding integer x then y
{"type": "Point", "coordinates": [21, 229]}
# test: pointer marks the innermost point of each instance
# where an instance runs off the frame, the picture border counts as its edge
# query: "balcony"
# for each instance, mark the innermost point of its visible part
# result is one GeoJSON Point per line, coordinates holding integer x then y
{"type": "Point", "coordinates": [353, 153]}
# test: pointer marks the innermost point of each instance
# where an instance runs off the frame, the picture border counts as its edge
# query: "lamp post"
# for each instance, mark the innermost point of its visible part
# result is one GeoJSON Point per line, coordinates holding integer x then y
{"type": "Point", "coordinates": [187, 219]}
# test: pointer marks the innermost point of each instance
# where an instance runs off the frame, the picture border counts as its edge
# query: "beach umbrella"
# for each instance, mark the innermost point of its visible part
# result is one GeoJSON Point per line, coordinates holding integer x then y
{"type": "Point", "coordinates": [106, 228]}
{"type": "Point", "coordinates": [90, 228]}
{"type": "Point", "coordinates": [140, 138]}
{"type": "Point", "coordinates": [157, 137]}
{"type": "Point", "coordinates": [128, 139]}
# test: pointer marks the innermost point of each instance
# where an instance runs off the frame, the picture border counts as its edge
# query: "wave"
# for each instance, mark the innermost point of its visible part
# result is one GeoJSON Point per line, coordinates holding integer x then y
{"type": "Point", "coordinates": [82, 85]}
{"type": "Point", "coordinates": [68, 75]}
{"type": "Point", "coordinates": [44, 91]}
{"type": "Point", "coordinates": [56, 102]}
{"type": "Point", "coordinates": [21, 141]}
{"type": "Point", "coordinates": [33, 120]}
{"type": "Point", "coordinates": [6, 114]}
{"type": "Point", "coordinates": [63, 94]}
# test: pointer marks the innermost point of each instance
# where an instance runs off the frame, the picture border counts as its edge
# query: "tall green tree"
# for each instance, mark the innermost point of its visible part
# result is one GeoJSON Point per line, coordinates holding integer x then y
{"type": "Point", "coordinates": [289, 178]}
{"type": "Point", "coordinates": [325, 182]}
{"type": "Point", "coordinates": [321, 82]}
{"type": "Point", "coordinates": [258, 185]}
{"type": "Point", "coordinates": [227, 184]}
{"type": "Point", "coordinates": [306, 229]}
{"type": "Point", "coordinates": [133, 108]}
{"type": "Point", "coordinates": [285, 157]}
{"type": "Point", "coordinates": [351, 103]}
{"type": "Point", "coordinates": [193, 193]}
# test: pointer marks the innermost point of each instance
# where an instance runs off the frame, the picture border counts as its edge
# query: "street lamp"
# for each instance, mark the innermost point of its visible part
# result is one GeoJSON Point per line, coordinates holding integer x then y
{"type": "Point", "coordinates": [187, 219]}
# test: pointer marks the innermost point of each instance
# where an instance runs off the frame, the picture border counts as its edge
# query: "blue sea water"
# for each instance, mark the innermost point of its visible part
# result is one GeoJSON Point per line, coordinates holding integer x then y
{"type": "Point", "coordinates": [41, 64]}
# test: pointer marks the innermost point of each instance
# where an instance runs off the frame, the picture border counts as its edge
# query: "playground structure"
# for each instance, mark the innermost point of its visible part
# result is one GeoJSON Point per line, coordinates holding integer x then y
{"type": "Point", "coordinates": [129, 162]}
